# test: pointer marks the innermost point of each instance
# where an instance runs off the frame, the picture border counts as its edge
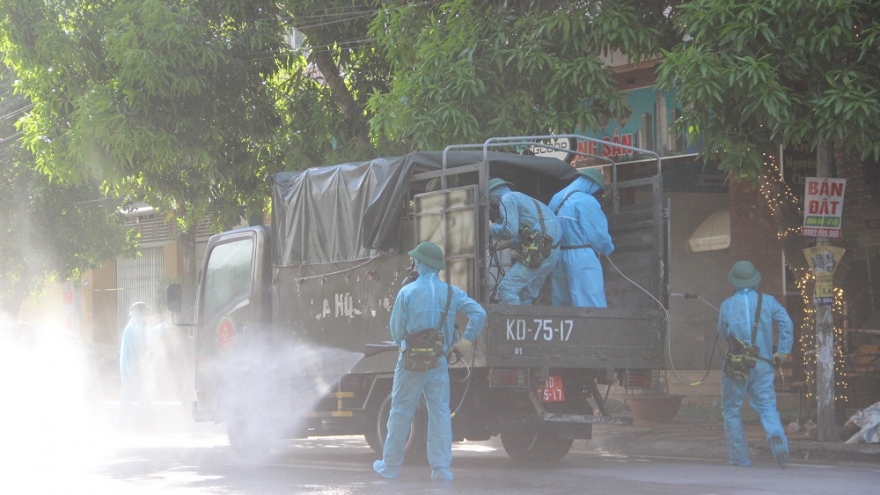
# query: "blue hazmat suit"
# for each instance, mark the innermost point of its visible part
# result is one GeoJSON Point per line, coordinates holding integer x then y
{"type": "Point", "coordinates": [735, 319]}
{"type": "Point", "coordinates": [577, 278]}
{"type": "Point", "coordinates": [134, 363]}
{"type": "Point", "coordinates": [419, 305]}
{"type": "Point", "coordinates": [522, 284]}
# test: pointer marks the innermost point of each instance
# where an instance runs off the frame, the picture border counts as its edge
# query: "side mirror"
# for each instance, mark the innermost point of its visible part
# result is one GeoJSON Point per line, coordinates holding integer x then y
{"type": "Point", "coordinates": [174, 298]}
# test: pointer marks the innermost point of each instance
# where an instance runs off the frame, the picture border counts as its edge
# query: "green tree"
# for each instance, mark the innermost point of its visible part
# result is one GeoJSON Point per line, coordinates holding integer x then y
{"type": "Point", "coordinates": [324, 90]}
{"type": "Point", "coordinates": [758, 74]}
{"type": "Point", "coordinates": [754, 75]}
{"type": "Point", "coordinates": [47, 230]}
{"type": "Point", "coordinates": [162, 101]}
{"type": "Point", "coordinates": [466, 70]}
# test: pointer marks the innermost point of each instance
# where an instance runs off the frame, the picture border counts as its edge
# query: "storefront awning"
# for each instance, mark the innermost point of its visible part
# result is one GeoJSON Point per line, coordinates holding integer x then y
{"type": "Point", "coordinates": [713, 233]}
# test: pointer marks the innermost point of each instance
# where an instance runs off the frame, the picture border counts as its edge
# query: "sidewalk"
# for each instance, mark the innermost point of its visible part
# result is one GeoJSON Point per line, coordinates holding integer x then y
{"type": "Point", "coordinates": [698, 433]}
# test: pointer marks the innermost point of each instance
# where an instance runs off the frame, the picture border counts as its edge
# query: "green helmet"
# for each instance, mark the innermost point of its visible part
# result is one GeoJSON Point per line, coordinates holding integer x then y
{"type": "Point", "coordinates": [595, 175]}
{"type": "Point", "coordinates": [493, 183]}
{"type": "Point", "coordinates": [429, 254]}
{"type": "Point", "coordinates": [744, 275]}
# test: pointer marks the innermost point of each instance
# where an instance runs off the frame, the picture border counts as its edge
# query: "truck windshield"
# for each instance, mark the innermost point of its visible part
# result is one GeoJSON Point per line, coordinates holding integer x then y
{"type": "Point", "coordinates": [228, 275]}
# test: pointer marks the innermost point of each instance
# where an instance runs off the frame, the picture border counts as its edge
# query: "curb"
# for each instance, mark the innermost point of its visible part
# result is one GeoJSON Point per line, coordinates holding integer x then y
{"type": "Point", "coordinates": [839, 452]}
{"type": "Point", "coordinates": [706, 440]}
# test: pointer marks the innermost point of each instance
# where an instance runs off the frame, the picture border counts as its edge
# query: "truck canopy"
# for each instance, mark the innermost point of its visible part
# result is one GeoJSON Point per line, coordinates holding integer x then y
{"type": "Point", "coordinates": [354, 210]}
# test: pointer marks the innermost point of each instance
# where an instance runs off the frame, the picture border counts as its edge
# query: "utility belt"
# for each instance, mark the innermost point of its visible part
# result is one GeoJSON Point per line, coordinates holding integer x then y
{"type": "Point", "coordinates": [579, 246]}
{"type": "Point", "coordinates": [535, 245]}
{"type": "Point", "coordinates": [423, 349]}
{"type": "Point", "coordinates": [740, 359]}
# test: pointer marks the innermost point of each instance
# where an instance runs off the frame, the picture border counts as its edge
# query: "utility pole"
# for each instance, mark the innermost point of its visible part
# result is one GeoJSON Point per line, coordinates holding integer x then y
{"type": "Point", "coordinates": [826, 429]}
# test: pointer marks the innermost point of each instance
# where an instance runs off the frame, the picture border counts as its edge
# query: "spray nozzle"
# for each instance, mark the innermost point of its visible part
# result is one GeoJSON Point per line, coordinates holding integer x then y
{"type": "Point", "coordinates": [454, 354]}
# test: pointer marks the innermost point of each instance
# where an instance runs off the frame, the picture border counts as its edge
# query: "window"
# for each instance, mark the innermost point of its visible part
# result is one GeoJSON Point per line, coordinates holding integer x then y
{"type": "Point", "coordinates": [228, 275]}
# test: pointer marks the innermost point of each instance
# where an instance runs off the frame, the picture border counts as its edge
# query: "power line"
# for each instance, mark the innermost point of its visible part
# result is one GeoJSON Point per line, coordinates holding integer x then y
{"type": "Point", "coordinates": [16, 112]}
{"type": "Point", "coordinates": [11, 138]}
{"type": "Point", "coordinates": [342, 14]}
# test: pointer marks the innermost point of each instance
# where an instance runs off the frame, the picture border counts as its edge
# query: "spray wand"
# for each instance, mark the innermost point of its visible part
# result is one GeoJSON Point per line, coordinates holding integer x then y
{"type": "Point", "coordinates": [686, 295]}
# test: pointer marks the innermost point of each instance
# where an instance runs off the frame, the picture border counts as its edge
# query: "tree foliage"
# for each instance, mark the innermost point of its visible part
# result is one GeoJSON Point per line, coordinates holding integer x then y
{"type": "Point", "coordinates": [47, 229]}
{"type": "Point", "coordinates": [762, 73]}
{"type": "Point", "coordinates": [324, 89]}
{"type": "Point", "coordinates": [466, 70]}
{"type": "Point", "coordinates": [162, 101]}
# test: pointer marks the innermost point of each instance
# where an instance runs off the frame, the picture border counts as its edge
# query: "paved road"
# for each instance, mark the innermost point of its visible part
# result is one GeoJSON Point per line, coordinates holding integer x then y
{"type": "Point", "coordinates": [51, 442]}
{"type": "Point", "coordinates": [81, 453]}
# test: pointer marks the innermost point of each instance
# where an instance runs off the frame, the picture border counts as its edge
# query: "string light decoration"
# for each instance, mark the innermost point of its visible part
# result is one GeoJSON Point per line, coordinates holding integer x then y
{"type": "Point", "coordinates": [807, 341]}
{"type": "Point", "coordinates": [785, 206]}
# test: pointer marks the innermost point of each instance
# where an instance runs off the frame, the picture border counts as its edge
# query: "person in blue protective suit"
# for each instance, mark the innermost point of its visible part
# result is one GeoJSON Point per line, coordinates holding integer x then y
{"type": "Point", "coordinates": [522, 282]}
{"type": "Point", "coordinates": [736, 319]}
{"type": "Point", "coordinates": [420, 305]}
{"type": "Point", "coordinates": [134, 363]}
{"type": "Point", "coordinates": [577, 278]}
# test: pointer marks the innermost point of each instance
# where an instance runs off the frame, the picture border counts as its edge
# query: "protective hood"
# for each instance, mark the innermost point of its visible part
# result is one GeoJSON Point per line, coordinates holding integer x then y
{"type": "Point", "coordinates": [586, 185]}
{"type": "Point", "coordinates": [499, 191]}
{"type": "Point", "coordinates": [425, 270]}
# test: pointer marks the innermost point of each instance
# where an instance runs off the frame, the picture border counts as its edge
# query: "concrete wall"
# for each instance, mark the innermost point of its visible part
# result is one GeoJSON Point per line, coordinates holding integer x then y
{"type": "Point", "coordinates": [99, 304]}
{"type": "Point", "coordinates": [692, 322]}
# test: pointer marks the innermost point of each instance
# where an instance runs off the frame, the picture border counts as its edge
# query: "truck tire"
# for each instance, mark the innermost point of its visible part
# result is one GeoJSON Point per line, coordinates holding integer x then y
{"type": "Point", "coordinates": [416, 448]}
{"type": "Point", "coordinates": [535, 446]}
{"type": "Point", "coordinates": [249, 438]}
{"type": "Point", "coordinates": [372, 433]}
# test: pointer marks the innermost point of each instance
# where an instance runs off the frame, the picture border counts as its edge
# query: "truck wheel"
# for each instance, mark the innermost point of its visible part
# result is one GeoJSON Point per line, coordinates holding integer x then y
{"type": "Point", "coordinates": [557, 449]}
{"type": "Point", "coordinates": [248, 438]}
{"type": "Point", "coordinates": [416, 448]}
{"type": "Point", "coordinates": [372, 434]}
{"type": "Point", "coordinates": [535, 446]}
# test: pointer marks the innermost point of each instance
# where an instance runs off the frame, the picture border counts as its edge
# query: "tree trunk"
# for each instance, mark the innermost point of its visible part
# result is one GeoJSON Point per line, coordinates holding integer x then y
{"type": "Point", "coordinates": [11, 305]}
{"type": "Point", "coordinates": [187, 241]}
{"type": "Point", "coordinates": [353, 111]}
{"type": "Point", "coordinates": [13, 292]}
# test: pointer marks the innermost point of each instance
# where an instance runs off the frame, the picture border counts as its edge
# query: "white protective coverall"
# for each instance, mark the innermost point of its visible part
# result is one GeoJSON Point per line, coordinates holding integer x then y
{"type": "Point", "coordinates": [736, 318]}
{"type": "Point", "coordinates": [419, 305]}
{"type": "Point", "coordinates": [577, 278]}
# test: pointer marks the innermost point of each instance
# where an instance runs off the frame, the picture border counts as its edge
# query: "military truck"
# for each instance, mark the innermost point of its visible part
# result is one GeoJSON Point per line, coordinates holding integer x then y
{"type": "Point", "coordinates": [284, 313]}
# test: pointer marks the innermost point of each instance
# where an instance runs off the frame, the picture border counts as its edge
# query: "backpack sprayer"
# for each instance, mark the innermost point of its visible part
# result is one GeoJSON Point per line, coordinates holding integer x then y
{"type": "Point", "coordinates": [453, 357]}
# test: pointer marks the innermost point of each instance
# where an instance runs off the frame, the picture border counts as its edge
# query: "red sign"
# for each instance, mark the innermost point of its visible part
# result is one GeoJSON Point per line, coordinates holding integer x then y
{"type": "Point", "coordinates": [225, 331]}
{"type": "Point", "coordinates": [552, 390]}
{"type": "Point", "coordinates": [823, 206]}
{"type": "Point", "coordinates": [608, 150]}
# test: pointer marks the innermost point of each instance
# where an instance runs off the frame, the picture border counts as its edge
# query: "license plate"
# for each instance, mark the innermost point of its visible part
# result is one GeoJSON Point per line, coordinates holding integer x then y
{"type": "Point", "coordinates": [552, 390]}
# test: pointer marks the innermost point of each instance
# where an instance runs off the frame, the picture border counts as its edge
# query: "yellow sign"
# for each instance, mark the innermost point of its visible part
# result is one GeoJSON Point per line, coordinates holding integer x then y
{"type": "Point", "coordinates": [824, 260]}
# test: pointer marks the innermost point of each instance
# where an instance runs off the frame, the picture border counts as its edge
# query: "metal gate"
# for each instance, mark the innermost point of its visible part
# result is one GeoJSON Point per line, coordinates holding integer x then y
{"type": "Point", "coordinates": [138, 279]}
